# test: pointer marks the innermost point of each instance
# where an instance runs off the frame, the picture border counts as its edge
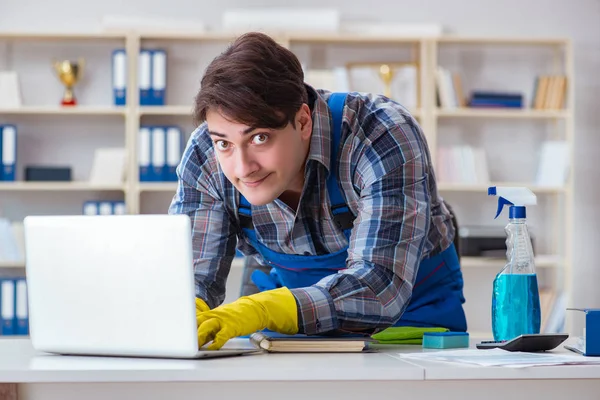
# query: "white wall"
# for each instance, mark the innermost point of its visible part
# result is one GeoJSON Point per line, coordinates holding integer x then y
{"type": "Point", "coordinates": [577, 19]}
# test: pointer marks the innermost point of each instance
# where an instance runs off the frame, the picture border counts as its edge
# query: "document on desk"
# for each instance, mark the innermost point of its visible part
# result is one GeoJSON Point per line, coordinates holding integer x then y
{"type": "Point", "coordinates": [501, 358]}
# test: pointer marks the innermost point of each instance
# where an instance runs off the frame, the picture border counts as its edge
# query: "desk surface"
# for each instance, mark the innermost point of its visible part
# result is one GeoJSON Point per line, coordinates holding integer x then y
{"type": "Point", "coordinates": [20, 363]}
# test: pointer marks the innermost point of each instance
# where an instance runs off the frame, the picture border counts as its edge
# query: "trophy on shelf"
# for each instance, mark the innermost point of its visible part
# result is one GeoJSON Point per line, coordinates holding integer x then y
{"type": "Point", "coordinates": [397, 80]}
{"type": "Point", "coordinates": [69, 73]}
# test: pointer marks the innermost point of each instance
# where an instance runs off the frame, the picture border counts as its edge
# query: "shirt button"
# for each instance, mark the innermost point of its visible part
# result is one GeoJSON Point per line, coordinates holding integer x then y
{"type": "Point", "coordinates": [318, 324]}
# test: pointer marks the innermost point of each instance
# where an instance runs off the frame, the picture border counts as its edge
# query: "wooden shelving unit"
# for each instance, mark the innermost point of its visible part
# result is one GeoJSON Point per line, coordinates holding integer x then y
{"type": "Point", "coordinates": [430, 116]}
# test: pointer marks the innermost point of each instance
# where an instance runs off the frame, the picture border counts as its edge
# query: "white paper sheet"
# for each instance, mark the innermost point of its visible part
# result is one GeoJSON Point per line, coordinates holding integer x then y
{"type": "Point", "coordinates": [501, 358]}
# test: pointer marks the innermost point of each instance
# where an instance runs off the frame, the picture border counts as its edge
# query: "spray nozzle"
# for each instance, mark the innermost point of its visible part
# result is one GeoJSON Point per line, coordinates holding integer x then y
{"type": "Point", "coordinates": [516, 197]}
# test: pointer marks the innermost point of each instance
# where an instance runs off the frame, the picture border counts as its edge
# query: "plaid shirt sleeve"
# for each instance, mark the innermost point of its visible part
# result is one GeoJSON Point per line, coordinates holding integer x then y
{"type": "Point", "coordinates": [200, 195]}
{"type": "Point", "coordinates": [388, 236]}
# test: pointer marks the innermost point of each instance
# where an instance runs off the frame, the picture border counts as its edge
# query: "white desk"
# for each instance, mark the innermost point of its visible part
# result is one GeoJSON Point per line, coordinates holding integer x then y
{"type": "Point", "coordinates": [281, 376]}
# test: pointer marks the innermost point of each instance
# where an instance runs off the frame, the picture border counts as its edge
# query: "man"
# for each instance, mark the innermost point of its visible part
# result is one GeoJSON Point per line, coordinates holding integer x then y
{"type": "Point", "coordinates": [335, 193]}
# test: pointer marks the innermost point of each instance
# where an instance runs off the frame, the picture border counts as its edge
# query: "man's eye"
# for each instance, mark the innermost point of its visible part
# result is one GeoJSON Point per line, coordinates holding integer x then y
{"type": "Point", "coordinates": [260, 138]}
{"type": "Point", "coordinates": [222, 145]}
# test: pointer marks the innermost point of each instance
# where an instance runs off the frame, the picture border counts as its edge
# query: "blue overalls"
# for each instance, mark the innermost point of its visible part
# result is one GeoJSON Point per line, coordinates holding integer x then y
{"type": "Point", "coordinates": [437, 294]}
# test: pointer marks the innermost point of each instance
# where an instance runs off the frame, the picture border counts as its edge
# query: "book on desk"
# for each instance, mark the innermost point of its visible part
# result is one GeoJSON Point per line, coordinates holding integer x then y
{"type": "Point", "coordinates": [280, 343]}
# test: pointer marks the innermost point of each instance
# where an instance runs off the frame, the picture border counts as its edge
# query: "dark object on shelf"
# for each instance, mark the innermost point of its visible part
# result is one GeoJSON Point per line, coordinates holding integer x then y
{"type": "Point", "coordinates": [483, 241]}
{"type": "Point", "coordinates": [48, 174]}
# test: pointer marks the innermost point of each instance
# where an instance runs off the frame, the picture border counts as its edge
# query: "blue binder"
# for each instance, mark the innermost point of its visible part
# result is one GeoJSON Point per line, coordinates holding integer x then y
{"type": "Point", "coordinates": [158, 153]}
{"type": "Point", "coordinates": [145, 77]}
{"type": "Point", "coordinates": [144, 152]}
{"type": "Point", "coordinates": [90, 208]}
{"type": "Point", "coordinates": [119, 77]}
{"type": "Point", "coordinates": [119, 208]}
{"type": "Point", "coordinates": [9, 152]}
{"type": "Point", "coordinates": [7, 306]}
{"type": "Point", "coordinates": [159, 77]}
{"type": "Point", "coordinates": [21, 307]}
{"type": "Point", "coordinates": [1, 163]}
{"type": "Point", "coordinates": [174, 151]}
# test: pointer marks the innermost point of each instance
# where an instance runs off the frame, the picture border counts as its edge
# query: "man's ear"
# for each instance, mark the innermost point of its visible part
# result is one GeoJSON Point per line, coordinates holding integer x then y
{"type": "Point", "coordinates": [304, 121]}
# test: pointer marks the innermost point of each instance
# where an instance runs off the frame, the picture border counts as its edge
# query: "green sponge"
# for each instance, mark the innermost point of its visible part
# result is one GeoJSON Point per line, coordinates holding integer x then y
{"type": "Point", "coordinates": [445, 340]}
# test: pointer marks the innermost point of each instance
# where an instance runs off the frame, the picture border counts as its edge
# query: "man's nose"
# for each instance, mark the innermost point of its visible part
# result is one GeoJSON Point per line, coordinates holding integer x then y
{"type": "Point", "coordinates": [244, 164]}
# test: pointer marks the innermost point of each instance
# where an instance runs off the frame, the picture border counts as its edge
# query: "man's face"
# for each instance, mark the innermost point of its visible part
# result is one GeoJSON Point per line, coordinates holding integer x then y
{"type": "Point", "coordinates": [262, 163]}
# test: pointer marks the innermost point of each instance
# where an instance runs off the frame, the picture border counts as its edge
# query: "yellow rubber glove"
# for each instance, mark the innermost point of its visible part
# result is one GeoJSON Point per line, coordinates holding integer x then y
{"type": "Point", "coordinates": [201, 306]}
{"type": "Point", "coordinates": [273, 309]}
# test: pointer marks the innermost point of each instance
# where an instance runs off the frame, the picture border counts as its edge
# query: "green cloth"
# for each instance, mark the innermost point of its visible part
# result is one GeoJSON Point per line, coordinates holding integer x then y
{"type": "Point", "coordinates": [404, 334]}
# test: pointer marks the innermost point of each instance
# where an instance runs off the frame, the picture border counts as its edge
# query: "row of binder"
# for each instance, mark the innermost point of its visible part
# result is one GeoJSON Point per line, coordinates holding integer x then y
{"type": "Point", "coordinates": [8, 152]}
{"type": "Point", "coordinates": [14, 312]}
{"type": "Point", "coordinates": [104, 208]}
{"type": "Point", "coordinates": [159, 153]}
{"type": "Point", "coordinates": [152, 77]}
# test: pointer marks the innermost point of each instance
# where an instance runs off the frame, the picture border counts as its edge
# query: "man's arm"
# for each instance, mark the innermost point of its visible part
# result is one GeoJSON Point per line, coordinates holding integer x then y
{"type": "Point", "coordinates": [200, 195]}
{"type": "Point", "coordinates": [386, 244]}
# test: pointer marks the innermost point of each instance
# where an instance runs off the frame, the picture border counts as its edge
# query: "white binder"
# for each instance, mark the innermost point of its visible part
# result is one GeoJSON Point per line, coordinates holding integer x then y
{"type": "Point", "coordinates": [9, 152]}
{"type": "Point", "coordinates": [105, 208]}
{"type": "Point", "coordinates": [119, 77]}
{"type": "Point", "coordinates": [90, 208]}
{"type": "Point", "coordinates": [7, 306]}
{"type": "Point", "coordinates": [158, 153]}
{"type": "Point", "coordinates": [144, 154]}
{"type": "Point", "coordinates": [159, 77]}
{"type": "Point", "coordinates": [144, 77]}
{"type": "Point", "coordinates": [174, 145]}
{"type": "Point", "coordinates": [21, 308]}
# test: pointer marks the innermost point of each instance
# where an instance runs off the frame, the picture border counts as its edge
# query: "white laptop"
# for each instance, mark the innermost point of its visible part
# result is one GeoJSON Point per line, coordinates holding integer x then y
{"type": "Point", "coordinates": [113, 286]}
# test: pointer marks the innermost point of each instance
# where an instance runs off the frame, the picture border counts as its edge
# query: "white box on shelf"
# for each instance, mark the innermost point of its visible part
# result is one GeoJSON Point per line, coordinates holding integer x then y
{"type": "Point", "coordinates": [282, 19]}
{"type": "Point", "coordinates": [125, 23]}
{"type": "Point", "coordinates": [10, 92]}
{"type": "Point", "coordinates": [553, 167]}
{"type": "Point", "coordinates": [108, 166]}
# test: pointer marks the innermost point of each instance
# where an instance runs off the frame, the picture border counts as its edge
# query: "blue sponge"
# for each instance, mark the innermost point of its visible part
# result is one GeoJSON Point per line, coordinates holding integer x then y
{"type": "Point", "coordinates": [445, 340]}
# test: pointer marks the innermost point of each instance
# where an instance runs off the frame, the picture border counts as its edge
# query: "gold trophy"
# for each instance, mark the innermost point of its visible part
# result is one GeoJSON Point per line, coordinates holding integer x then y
{"type": "Point", "coordinates": [387, 76]}
{"type": "Point", "coordinates": [69, 73]}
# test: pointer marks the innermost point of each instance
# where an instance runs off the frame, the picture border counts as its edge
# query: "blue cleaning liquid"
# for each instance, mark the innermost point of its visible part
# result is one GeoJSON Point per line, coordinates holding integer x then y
{"type": "Point", "coordinates": [515, 306]}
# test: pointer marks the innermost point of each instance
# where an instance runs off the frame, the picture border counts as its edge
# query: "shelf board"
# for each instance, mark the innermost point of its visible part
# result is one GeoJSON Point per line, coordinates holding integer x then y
{"type": "Point", "coordinates": [542, 261]}
{"type": "Point", "coordinates": [206, 36]}
{"type": "Point", "coordinates": [157, 187]}
{"type": "Point", "coordinates": [532, 41]}
{"type": "Point", "coordinates": [166, 110]}
{"type": "Point", "coordinates": [57, 110]}
{"type": "Point", "coordinates": [50, 36]}
{"type": "Point", "coordinates": [56, 186]}
{"type": "Point", "coordinates": [499, 113]}
{"type": "Point", "coordinates": [333, 37]}
{"type": "Point", "coordinates": [12, 264]}
{"type": "Point", "coordinates": [343, 37]}
{"type": "Point", "coordinates": [483, 188]}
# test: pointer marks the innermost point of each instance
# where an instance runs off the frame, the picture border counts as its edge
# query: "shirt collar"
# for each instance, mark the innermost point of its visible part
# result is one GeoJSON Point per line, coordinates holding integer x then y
{"type": "Point", "coordinates": [320, 141]}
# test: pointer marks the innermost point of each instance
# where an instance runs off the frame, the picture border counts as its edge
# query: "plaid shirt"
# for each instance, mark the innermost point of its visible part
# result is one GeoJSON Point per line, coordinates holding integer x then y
{"type": "Point", "coordinates": [387, 178]}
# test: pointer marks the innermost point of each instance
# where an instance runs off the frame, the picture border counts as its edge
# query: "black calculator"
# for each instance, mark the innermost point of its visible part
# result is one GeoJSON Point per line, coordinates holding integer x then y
{"type": "Point", "coordinates": [528, 343]}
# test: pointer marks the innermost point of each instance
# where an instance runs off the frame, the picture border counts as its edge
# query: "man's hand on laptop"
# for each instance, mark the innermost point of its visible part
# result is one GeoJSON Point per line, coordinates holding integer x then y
{"type": "Point", "coordinates": [273, 309]}
{"type": "Point", "coordinates": [201, 306]}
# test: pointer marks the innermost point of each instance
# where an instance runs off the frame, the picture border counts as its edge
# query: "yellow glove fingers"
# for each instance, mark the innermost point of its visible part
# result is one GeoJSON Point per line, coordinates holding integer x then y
{"type": "Point", "coordinates": [201, 306]}
{"type": "Point", "coordinates": [221, 338]}
{"type": "Point", "coordinates": [207, 330]}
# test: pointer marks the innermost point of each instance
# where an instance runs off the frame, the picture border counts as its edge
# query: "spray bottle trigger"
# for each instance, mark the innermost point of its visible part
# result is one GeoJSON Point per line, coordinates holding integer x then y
{"type": "Point", "coordinates": [501, 203]}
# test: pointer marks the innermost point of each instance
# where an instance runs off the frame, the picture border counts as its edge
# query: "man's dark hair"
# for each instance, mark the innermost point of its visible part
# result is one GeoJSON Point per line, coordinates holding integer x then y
{"type": "Point", "coordinates": [255, 81]}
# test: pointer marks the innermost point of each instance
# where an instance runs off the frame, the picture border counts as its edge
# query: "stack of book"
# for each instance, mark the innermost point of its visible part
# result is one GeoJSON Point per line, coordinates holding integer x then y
{"type": "Point", "coordinates": [462, 164]}
{"type": "Point", "coordinates": [449, 89]}
{"type": "Point", "coordinates": [550, 92]}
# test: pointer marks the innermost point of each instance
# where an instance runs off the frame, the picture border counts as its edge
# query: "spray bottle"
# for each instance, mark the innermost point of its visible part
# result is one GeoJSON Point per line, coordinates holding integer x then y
{"type": "Point", "coordinates": [515, 296]}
